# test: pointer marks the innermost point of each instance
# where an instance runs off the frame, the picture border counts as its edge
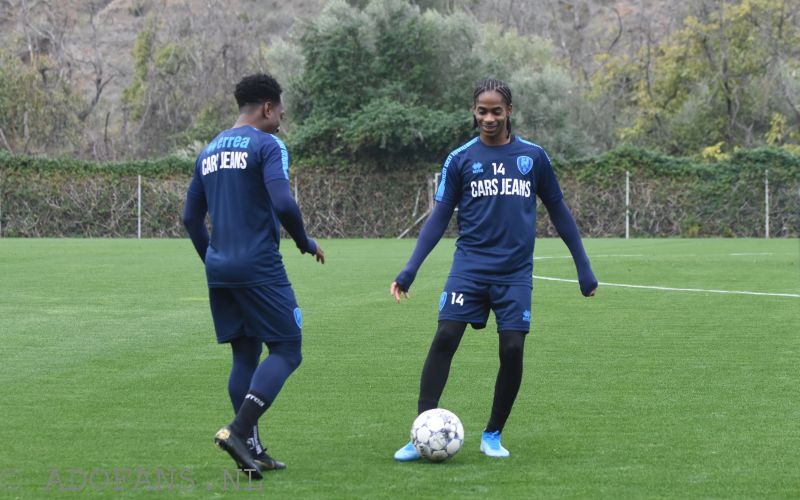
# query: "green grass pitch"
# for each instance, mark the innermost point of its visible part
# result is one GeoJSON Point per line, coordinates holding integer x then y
{"type": "Point", "coordinates": [112, 384]}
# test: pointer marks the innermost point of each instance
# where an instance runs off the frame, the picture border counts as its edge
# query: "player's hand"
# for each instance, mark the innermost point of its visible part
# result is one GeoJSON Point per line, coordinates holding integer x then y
{"type": "Point", "coordinates": [320, 255]}
{"type": "Point", "coordinates": [397, 291]}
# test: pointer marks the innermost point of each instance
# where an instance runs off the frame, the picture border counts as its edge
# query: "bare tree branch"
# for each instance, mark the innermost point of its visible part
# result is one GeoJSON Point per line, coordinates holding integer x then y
{"type": "Point", "coordinates": [3, 136]}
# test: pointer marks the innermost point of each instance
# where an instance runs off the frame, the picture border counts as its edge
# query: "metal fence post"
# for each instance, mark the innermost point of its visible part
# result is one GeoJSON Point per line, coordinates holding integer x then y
{"type": "Point", "coordinates": [1, 206]}
{"type": "Point", "coordinates": [766, 203]}
{"type": "Point", "coordinates": [139, 208]}
{"type": "Point", "coordinates": [627, 204]}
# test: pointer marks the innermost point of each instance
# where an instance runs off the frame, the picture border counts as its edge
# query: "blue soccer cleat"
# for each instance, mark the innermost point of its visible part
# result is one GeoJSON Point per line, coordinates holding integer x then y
{"type": "Point", "coordinates": [490, 445]}
{"type": "Point", "coordinates": [407, 453]}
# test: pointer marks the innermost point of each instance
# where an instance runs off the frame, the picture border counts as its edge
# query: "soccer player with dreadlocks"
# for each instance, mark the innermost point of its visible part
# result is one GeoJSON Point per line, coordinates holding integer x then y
{"type": "Point", "coordinates": [493, 180]}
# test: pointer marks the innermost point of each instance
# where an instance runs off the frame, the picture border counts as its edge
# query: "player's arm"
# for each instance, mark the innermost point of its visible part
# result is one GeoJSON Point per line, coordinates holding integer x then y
{"type": "Point", "coordinates": [447, 197]}
{"type": "Point", "coordinates": [429, 236]}
{"type": "Point", "coordinates": [291, 219]}
{"type": "Point", "coordinates": [550, 193]}
{"type": "Point", "coordinates": [275, 174]}
{"type": "Point", "coordinates": [194, 216]}
{"type": "Point", "coordinates": [565, 224]}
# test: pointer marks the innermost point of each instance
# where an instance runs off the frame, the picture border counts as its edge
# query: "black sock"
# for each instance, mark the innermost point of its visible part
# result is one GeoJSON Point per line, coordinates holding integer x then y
{"type": "Point", "coordinates": [509, 378]}
{"type": "Point", "coordinates": [437, 364]}
{"type": "Point", "coordinates": [252, 408]}
{"type": "Point", "coordinates": [254, 442]}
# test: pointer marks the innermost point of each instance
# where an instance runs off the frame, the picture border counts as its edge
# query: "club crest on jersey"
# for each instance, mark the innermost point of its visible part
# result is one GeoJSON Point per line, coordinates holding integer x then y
{"type": "Point", "coordinates": [524, 164]}
{"type": "Point", "coordinates": [477, 168]}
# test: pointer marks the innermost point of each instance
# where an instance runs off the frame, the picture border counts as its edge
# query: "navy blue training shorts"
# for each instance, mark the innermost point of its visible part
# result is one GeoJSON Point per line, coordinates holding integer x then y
{"type": "Point", "coordinates": [470, 301]}
{"type": "Point", "coordinates": [267, 312]}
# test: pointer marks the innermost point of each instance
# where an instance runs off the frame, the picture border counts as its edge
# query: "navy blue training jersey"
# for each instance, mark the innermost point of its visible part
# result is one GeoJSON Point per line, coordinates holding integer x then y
{"type": "Point", "coordinates": [495, 189]}
{"type": "Point", "coordinates": [232, 173]}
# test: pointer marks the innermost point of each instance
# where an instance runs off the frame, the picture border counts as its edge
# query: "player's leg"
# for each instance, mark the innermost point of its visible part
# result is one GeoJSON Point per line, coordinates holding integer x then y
{"type": "Point", "coordinates": [434, 375]}
{"type": "Point", "coordinates": [283, 359]}
{"type": "Point", "coordinates": [509, 379]}
{"type": "Point", "coordinates": [512, 307]}
{"type": "Point", "coordinates": [436, 369]}
{"type": "Point", "coordinates": [246, 355]}
{"type": "Point", "coordinates": [271, 314]}
{"type": "Point", "coordinates": [461, 302]}
{"type": "Point", "coordinates": [506, 388]}
{"type": "Point", "coordinates": [229, 323]}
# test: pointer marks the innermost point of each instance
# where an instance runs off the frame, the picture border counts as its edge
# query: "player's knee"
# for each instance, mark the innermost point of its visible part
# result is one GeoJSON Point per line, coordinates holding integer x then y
{"type": "Point", "coordinates": [512, 345]}
{"type": "Point", "coordinates": [297, 359]}
{"type": "Point", "coordinates": [246, 352]}
{"type": "Point", "coordinates": [294, 357]}
{"type": "Point", "coordinates": [289, 353]}
{"type": "Point", "coordinates": [448, 336]}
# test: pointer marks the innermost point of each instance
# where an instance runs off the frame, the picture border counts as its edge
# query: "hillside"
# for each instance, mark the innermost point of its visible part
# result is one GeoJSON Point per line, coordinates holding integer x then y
{"type": "Point", "coordinates": [100, 35]}
{"type": "Point", "coordinates": [112, 79]}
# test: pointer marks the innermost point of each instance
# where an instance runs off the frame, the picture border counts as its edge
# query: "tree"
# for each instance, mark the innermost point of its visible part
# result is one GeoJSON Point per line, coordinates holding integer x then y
{"type": "Point", "coordinates": [375, 85]}
{"type": "Point", "coordinates": [548, 105]}
{"type": "Point", "coordinates": [721, 78]}
{"type": "Point", "coordinates": [181, 91]}
{"type": "Point", "coordinates": [37, 115]}
{"type": "Point", "coordinates": [389, 83]}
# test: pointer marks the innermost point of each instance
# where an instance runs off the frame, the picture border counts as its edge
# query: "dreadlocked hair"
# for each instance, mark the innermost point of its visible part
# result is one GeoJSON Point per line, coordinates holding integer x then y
{"type": "Point", "coordinates": [498, 86]}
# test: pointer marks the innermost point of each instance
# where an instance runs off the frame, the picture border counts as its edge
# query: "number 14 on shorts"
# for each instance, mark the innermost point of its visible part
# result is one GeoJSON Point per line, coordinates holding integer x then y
{"type": "Point", "coordinates": [454, 298]}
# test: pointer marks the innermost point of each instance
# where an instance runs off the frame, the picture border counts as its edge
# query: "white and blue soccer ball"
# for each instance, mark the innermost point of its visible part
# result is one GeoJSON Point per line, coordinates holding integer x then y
{"type": "Point", "coordinates": [437, 434]}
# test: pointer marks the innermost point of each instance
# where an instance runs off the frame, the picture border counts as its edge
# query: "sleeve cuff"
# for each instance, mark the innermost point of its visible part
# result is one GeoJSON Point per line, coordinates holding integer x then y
{"type": "Point", "coordinates": [311, 247]}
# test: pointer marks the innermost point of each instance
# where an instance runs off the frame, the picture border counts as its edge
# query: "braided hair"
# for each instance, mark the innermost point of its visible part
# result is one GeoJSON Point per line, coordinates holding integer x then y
{"type": "Point", "coordinates": [498, 86]}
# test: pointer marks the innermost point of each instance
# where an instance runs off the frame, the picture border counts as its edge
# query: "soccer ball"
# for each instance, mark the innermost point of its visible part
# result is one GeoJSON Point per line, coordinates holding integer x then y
{"type": "Point", "coordinates": [437, 434]}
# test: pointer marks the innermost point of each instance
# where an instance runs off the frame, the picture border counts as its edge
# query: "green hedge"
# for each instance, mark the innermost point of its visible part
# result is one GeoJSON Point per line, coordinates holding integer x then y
{"type": "Point", "coordinates": [162, 168]}
{"type": "Point", "coordinates": [669, 196]}
{"type": "Point", "coordinates": [683, 197]}
{"type": "Point", "coordinates": [46, 197]}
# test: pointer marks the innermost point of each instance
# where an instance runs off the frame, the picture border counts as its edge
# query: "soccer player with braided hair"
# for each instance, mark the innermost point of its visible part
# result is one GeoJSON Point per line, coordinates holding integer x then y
{"type": "Point", "coordinates": [494, 180]}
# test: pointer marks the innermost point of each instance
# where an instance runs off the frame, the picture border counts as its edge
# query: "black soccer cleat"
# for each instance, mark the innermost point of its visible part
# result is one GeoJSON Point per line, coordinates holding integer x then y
{"type": "Point", "coordinates": [266, 462]}
{"type": "Point", "coordinates": [237, 449]}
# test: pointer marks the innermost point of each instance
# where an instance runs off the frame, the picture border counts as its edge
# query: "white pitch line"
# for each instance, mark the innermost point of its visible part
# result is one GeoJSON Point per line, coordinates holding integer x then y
{"type": "Point", "coordinates": [593, 256]}
{"type": "Point", "coordinates": [735, 292]}
{"type": "Point", "coordinates": [743, 254]}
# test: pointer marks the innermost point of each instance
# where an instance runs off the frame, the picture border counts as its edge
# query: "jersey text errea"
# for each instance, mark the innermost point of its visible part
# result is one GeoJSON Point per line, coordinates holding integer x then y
{"type": "Point", "coordinates": [225, 159]}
